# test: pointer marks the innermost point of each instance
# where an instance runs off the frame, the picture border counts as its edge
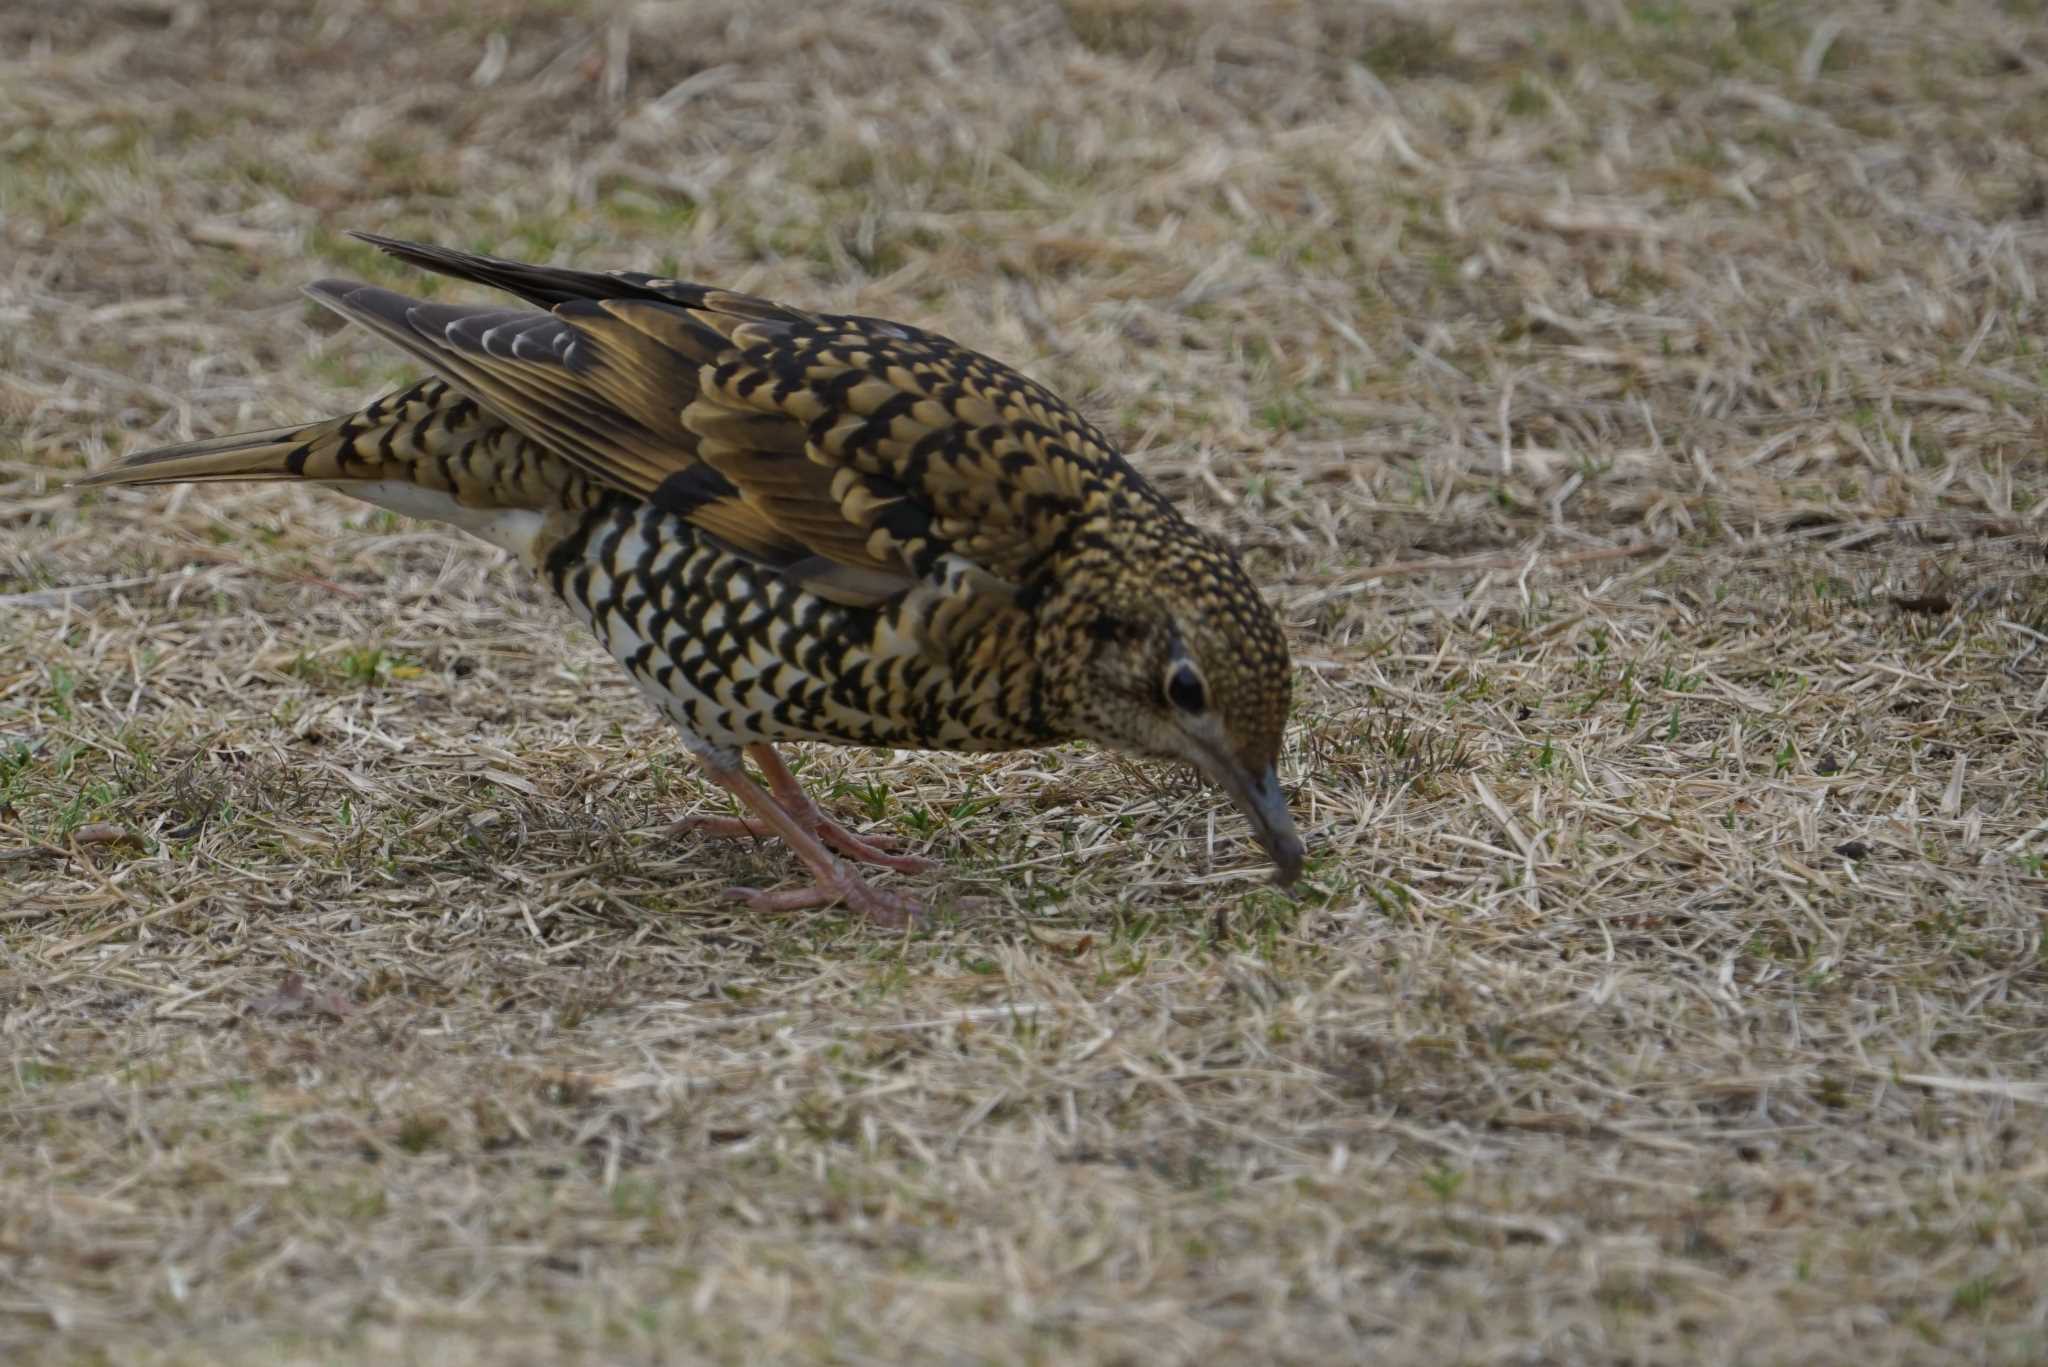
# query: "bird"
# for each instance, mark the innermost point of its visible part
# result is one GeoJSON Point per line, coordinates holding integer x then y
{"type": "Point", "coordinates": [798, 526]}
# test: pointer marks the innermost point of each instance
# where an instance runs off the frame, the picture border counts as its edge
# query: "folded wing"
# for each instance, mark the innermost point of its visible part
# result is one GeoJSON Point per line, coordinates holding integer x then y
{"type": "Point", "coordinates": [855, 453]}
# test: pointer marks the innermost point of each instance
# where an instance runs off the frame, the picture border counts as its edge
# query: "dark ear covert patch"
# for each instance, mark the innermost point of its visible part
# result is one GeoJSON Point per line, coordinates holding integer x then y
{"type": "Point", "coordinates": [1107, 628]}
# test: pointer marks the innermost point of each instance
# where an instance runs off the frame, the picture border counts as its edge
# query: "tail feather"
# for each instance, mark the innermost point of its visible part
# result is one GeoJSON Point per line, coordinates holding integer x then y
{"type": "Point", "coordinates": [240, 456]}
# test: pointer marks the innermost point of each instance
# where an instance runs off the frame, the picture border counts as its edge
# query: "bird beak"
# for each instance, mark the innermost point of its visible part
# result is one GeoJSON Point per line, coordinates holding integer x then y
{"type": "Point", "coordinates": [1262, 801]}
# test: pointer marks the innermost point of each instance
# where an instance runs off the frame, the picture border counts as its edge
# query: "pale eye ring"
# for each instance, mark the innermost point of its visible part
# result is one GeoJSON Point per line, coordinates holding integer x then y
{"type": "Point", "coordinates": [1184, 689]}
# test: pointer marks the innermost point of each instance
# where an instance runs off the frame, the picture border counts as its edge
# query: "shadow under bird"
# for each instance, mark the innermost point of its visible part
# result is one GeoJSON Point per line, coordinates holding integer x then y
{"type": "Point", "coordinates": [797, 526]}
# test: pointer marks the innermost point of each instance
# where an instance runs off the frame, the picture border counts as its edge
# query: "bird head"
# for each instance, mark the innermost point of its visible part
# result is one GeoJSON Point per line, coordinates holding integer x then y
{"type": "Point", "coordinates": [1184, 660]}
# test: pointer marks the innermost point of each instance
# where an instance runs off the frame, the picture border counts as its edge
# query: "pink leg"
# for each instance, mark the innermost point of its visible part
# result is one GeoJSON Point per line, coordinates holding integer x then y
{"type": "Point", "coordinates": [836, 882]}
{"type": "Point", "coordinates": [791, 797]}
{"type": "Point", "coordinates": [796, 801]}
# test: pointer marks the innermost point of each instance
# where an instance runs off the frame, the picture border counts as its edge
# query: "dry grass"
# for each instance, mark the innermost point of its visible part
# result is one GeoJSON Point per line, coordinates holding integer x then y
{"type": "Point", "coordinates": [1667, 985]}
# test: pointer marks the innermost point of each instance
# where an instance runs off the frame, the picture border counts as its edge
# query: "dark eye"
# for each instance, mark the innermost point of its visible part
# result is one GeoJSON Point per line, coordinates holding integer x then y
{"type": "Point", "coordinates": [1184, 689]}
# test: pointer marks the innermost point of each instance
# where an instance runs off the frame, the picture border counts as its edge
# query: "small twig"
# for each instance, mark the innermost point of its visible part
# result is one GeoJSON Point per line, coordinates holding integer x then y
{"type": "Point", "coordinates": [1364, 579]}
{"type": "Point", "coordinates": [229, 558]}
{"type": "Point", "coordinates": [79, 942]}
{"type": "Point", "coordinates": [49, 598]}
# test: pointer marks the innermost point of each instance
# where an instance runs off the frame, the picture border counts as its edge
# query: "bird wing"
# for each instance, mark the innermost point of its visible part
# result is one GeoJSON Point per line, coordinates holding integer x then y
{"type": "Point", "coordinates": [853, 452]}
{"type": "Point", "coordinates": [931, 449]}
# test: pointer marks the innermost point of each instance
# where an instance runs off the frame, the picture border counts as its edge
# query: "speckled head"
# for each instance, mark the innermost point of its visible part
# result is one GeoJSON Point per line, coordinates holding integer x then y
{"type": "Point", "coordinates": [1185, 660]}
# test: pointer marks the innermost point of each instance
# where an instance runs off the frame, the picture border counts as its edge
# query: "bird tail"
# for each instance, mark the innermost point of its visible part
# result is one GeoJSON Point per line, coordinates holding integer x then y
{"type": "Point", "coordinates": [242, 456]}
{"type": "Point", "coordinates": [431, 436]}
{"type": "Point", "coordinates": [411, 436]}
{"type": "Point", "coordinates": [428, 451]}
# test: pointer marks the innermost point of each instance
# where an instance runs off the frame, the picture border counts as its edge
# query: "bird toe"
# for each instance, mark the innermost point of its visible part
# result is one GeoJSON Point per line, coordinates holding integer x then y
{"type": "Point", "coordinates": [887, 909]}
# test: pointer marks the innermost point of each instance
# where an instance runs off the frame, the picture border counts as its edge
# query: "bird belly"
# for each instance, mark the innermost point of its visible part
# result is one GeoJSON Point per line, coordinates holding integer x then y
{"type": "Point", "coordinates": [734, 652]}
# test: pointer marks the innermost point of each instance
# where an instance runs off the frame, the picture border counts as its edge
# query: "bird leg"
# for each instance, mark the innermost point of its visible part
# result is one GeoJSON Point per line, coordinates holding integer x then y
{"type": "Point", "coordinates": [836, 881]}
{"type": "Point", "coordinates": [791, 797]}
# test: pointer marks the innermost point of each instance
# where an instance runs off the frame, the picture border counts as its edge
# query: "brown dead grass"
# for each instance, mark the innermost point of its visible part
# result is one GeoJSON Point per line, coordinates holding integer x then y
{"type": "Point", "coordinates": [1636, 409]}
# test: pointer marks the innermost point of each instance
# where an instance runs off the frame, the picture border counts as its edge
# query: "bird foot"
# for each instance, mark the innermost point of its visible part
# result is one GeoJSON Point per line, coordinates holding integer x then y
{"type": "Point", "coordinates": [876, 850]}
{"type": "Point", "coordinates": [812, 837]}
{"type": "Point", "coordinates": [884, 908]}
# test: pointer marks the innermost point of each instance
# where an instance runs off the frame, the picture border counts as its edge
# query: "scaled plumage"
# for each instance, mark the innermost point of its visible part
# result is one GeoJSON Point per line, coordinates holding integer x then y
{"type": "Point", "coordinates": [799, 526]}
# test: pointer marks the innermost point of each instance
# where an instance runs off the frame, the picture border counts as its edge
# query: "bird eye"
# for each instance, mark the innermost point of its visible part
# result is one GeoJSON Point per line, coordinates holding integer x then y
{"type": "Point", "coordinates": [1184, 689]}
